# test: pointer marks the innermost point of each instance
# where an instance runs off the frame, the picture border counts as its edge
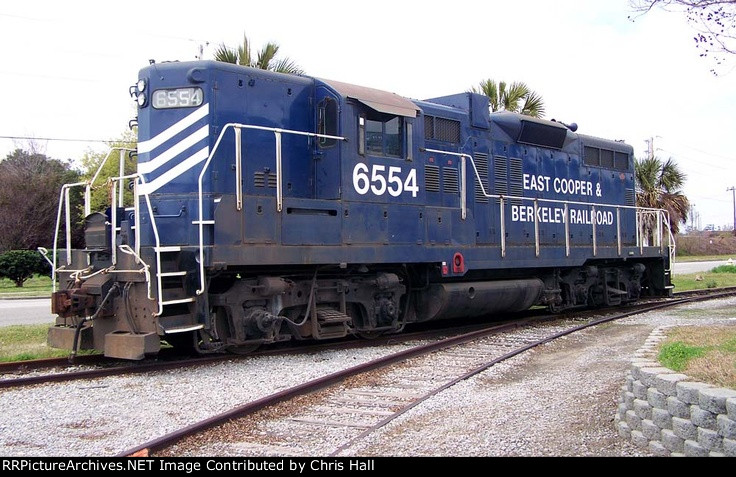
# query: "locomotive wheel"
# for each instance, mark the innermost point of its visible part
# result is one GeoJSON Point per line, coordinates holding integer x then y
{"type": "Point", "coordinates": [222, 328]}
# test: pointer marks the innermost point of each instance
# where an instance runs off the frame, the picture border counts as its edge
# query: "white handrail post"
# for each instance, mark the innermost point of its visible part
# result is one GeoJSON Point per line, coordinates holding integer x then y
{"type": "Point", "coordinates": [137, 220]}
{"type": "Point", "coordinates": [279, 186]}
{"type": "Point", "coordinates": [68, 214]}
{"type": "Point", "coordinates": [567, 230]}
{"type": "Point", "coordinates": [639, 231]}
{"type": "Point", "coordinates": [593, 220]}
{"type": "Point", "coordinates": [503, 227]}
{"type": "Point", "coordinates": [88, 199]}
{"type": "Point", "coordinates": [618, 229]}
{"type": "Point", "coordinates": [114, 225]}
{"type": "Point", "coordinates": [238, 168]}
{"type": "Point", "coordinates": [463, 190]}
{"type": "Point", "coordinates": [536, 227]}
{"type": "Point", "coordinates": [56, 238]}
{"type": "Point", "coordinates": [121, 169]}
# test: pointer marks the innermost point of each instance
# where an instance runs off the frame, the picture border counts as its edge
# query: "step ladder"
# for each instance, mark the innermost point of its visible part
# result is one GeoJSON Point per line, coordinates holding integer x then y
{"type": "Point", "coordinates": [176, 295]}
{"type": "Point", "coordinates": [169, 254]}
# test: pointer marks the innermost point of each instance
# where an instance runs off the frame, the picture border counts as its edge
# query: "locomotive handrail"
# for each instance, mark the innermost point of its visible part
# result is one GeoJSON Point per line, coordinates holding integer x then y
{"type": "Point", "coordinates": [90, 183]}
{"type": "Point", "coordinates": [64, 201]}
{"type": "Point", "coordinates": [239, 181]}
{"type": "Point", "coordinates": [498, 196]}
{"type": "Point", "coordinates": [661, 213]}
{"type": "Point", "coordinates": [137, 177]}
{"type": "Point", "coordinates": [136, 253]}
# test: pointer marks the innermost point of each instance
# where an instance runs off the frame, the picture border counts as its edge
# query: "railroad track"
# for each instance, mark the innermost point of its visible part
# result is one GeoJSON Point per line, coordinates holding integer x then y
{"type": "Point", "coordinates": [27, 373]}
{"type": "Point", "coordinates": [349, 405]}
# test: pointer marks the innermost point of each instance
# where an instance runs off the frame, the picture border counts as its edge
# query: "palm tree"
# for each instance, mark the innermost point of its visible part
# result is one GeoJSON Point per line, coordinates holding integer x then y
{"type": "Point", "coordinates": [266, 59]}
{"type": "Point", "coordinates": [517, 97]}
{"type": "Point", "coordinates": [659, 186]}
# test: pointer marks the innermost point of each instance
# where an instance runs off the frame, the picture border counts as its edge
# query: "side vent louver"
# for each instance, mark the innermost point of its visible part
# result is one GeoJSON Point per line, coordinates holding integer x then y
{"type": "Point", "coordinates": [516, 179]}
{"type": "Point", "coordinates": [630, 197]}
{"type": "Point", "coordinates": [500, 176]}
{"type": "Point", "coordinates": [261, 178]}
{"type": "Point", "coordinates": [481, 163]}
{"type": "Point", "coordinates": [450, 182]}
{"type": "Point", "coordinates": [432, 178]}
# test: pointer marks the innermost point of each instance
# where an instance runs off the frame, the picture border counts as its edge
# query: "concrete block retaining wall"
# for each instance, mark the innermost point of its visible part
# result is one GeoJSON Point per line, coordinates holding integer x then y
{"type": "Point", "coordinates": [670, 414]}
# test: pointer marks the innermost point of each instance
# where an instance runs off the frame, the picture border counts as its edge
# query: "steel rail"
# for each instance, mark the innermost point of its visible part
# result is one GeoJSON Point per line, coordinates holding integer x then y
{"type": "Point", "coordinates": [500, 359]}
{"type": "Point", "coordinates": [171, 438]}
{"type": "Point", "coordinates": [144, 367]}
{"type": "Point", "coordinates": [9, 368]}
{"type": "Point", "coordinates": [311, 386]}
{"type": "Point", "coordinates": [131, 368]}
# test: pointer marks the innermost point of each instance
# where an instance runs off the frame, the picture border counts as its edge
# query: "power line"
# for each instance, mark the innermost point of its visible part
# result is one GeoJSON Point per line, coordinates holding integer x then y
{"type": "Point", "coordinates": [700, 197]}
{"type": "Point", "coordinates": [679, 155]}
{"type": "Point", "coordinates": [701, 151]}
{"type": "Point", "coordinates": [58, 139]}
{"type": "Point", "coordinates": [53, 77]}
{"type": "Point", "coordinates": [138, 31]}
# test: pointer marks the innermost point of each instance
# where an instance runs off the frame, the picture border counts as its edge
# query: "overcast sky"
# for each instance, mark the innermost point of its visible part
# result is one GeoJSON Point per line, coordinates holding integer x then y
{"type": "Point", "coordinates": [67, 66]}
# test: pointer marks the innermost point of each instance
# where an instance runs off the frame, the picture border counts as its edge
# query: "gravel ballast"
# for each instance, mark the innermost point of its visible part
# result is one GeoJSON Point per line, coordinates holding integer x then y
{"type": "Point", "coordinates": [557, 400]}
{"type": "Point", "coordinates": [109, 415]}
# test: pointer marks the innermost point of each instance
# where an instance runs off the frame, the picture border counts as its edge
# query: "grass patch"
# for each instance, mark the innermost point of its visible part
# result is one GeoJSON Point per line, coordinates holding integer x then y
{"type": "Point", "coordinates": [703, 281]}
{"type": "Point", "coordinates": [25, 342]}
{"type": "Point", "coordinates": [703, 258]}
{"type": "Point", "coordinates": [676, 355]}
{"type": "Point", "coordinates": [38, 285]}
{"type": "Point", "coordinates": [724, 269]}
{"type": "Point", "coordinates": [705, 353]}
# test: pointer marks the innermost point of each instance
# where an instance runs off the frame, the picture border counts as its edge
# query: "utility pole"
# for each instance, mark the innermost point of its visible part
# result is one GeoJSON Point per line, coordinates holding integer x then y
{"type": "Point", "coordinates": [693, 218]}
{"type": "Point", "coordinates": [650, 147]}
{"type": "Point", "coordinates": [733, 191]}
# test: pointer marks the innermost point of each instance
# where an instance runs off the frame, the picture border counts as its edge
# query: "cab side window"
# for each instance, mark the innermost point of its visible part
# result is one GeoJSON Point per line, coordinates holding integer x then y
{"type": "Point", "coordinates": [327, 121]}
{"type": "Point", "coordinates": [381, 134]}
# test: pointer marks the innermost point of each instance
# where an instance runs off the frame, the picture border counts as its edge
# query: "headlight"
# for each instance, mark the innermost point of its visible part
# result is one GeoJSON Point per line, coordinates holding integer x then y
{"type": "Point", "coordinates": [141, 99]}
{"type": "Point", "coordinates": [141, 85]}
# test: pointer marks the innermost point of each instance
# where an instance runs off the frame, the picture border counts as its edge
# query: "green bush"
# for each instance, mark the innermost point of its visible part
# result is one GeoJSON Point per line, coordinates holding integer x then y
{"type": "Point", "coordinates": [20, 265]}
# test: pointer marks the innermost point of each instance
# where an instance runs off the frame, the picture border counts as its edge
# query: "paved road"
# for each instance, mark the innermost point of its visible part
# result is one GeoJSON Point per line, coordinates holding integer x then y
{"type": "Point", "coordinates": [29, 311]}
{"type": "Point", "coordinates": [695, 267]}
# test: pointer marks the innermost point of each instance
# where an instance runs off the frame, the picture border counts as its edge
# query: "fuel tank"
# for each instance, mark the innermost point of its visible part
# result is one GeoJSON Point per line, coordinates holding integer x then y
{"type": "Point", "coordinates": [456, 300]}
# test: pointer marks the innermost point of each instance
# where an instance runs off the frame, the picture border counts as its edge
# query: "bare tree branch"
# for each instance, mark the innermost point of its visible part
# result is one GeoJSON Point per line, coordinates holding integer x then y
{"type": "Point", "coordinates": [714, 22]}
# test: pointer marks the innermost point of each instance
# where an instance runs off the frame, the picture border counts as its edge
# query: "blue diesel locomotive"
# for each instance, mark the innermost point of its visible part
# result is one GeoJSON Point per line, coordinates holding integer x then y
{"type": "Point", "coordinates": [271, 207]}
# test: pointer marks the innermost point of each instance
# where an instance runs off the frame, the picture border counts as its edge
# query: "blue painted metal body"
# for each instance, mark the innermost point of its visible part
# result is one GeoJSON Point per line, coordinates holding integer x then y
{"type": "Point", "coordinates": [275, 207]}
{"type": "Point", "coordinates": [326, 219]}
